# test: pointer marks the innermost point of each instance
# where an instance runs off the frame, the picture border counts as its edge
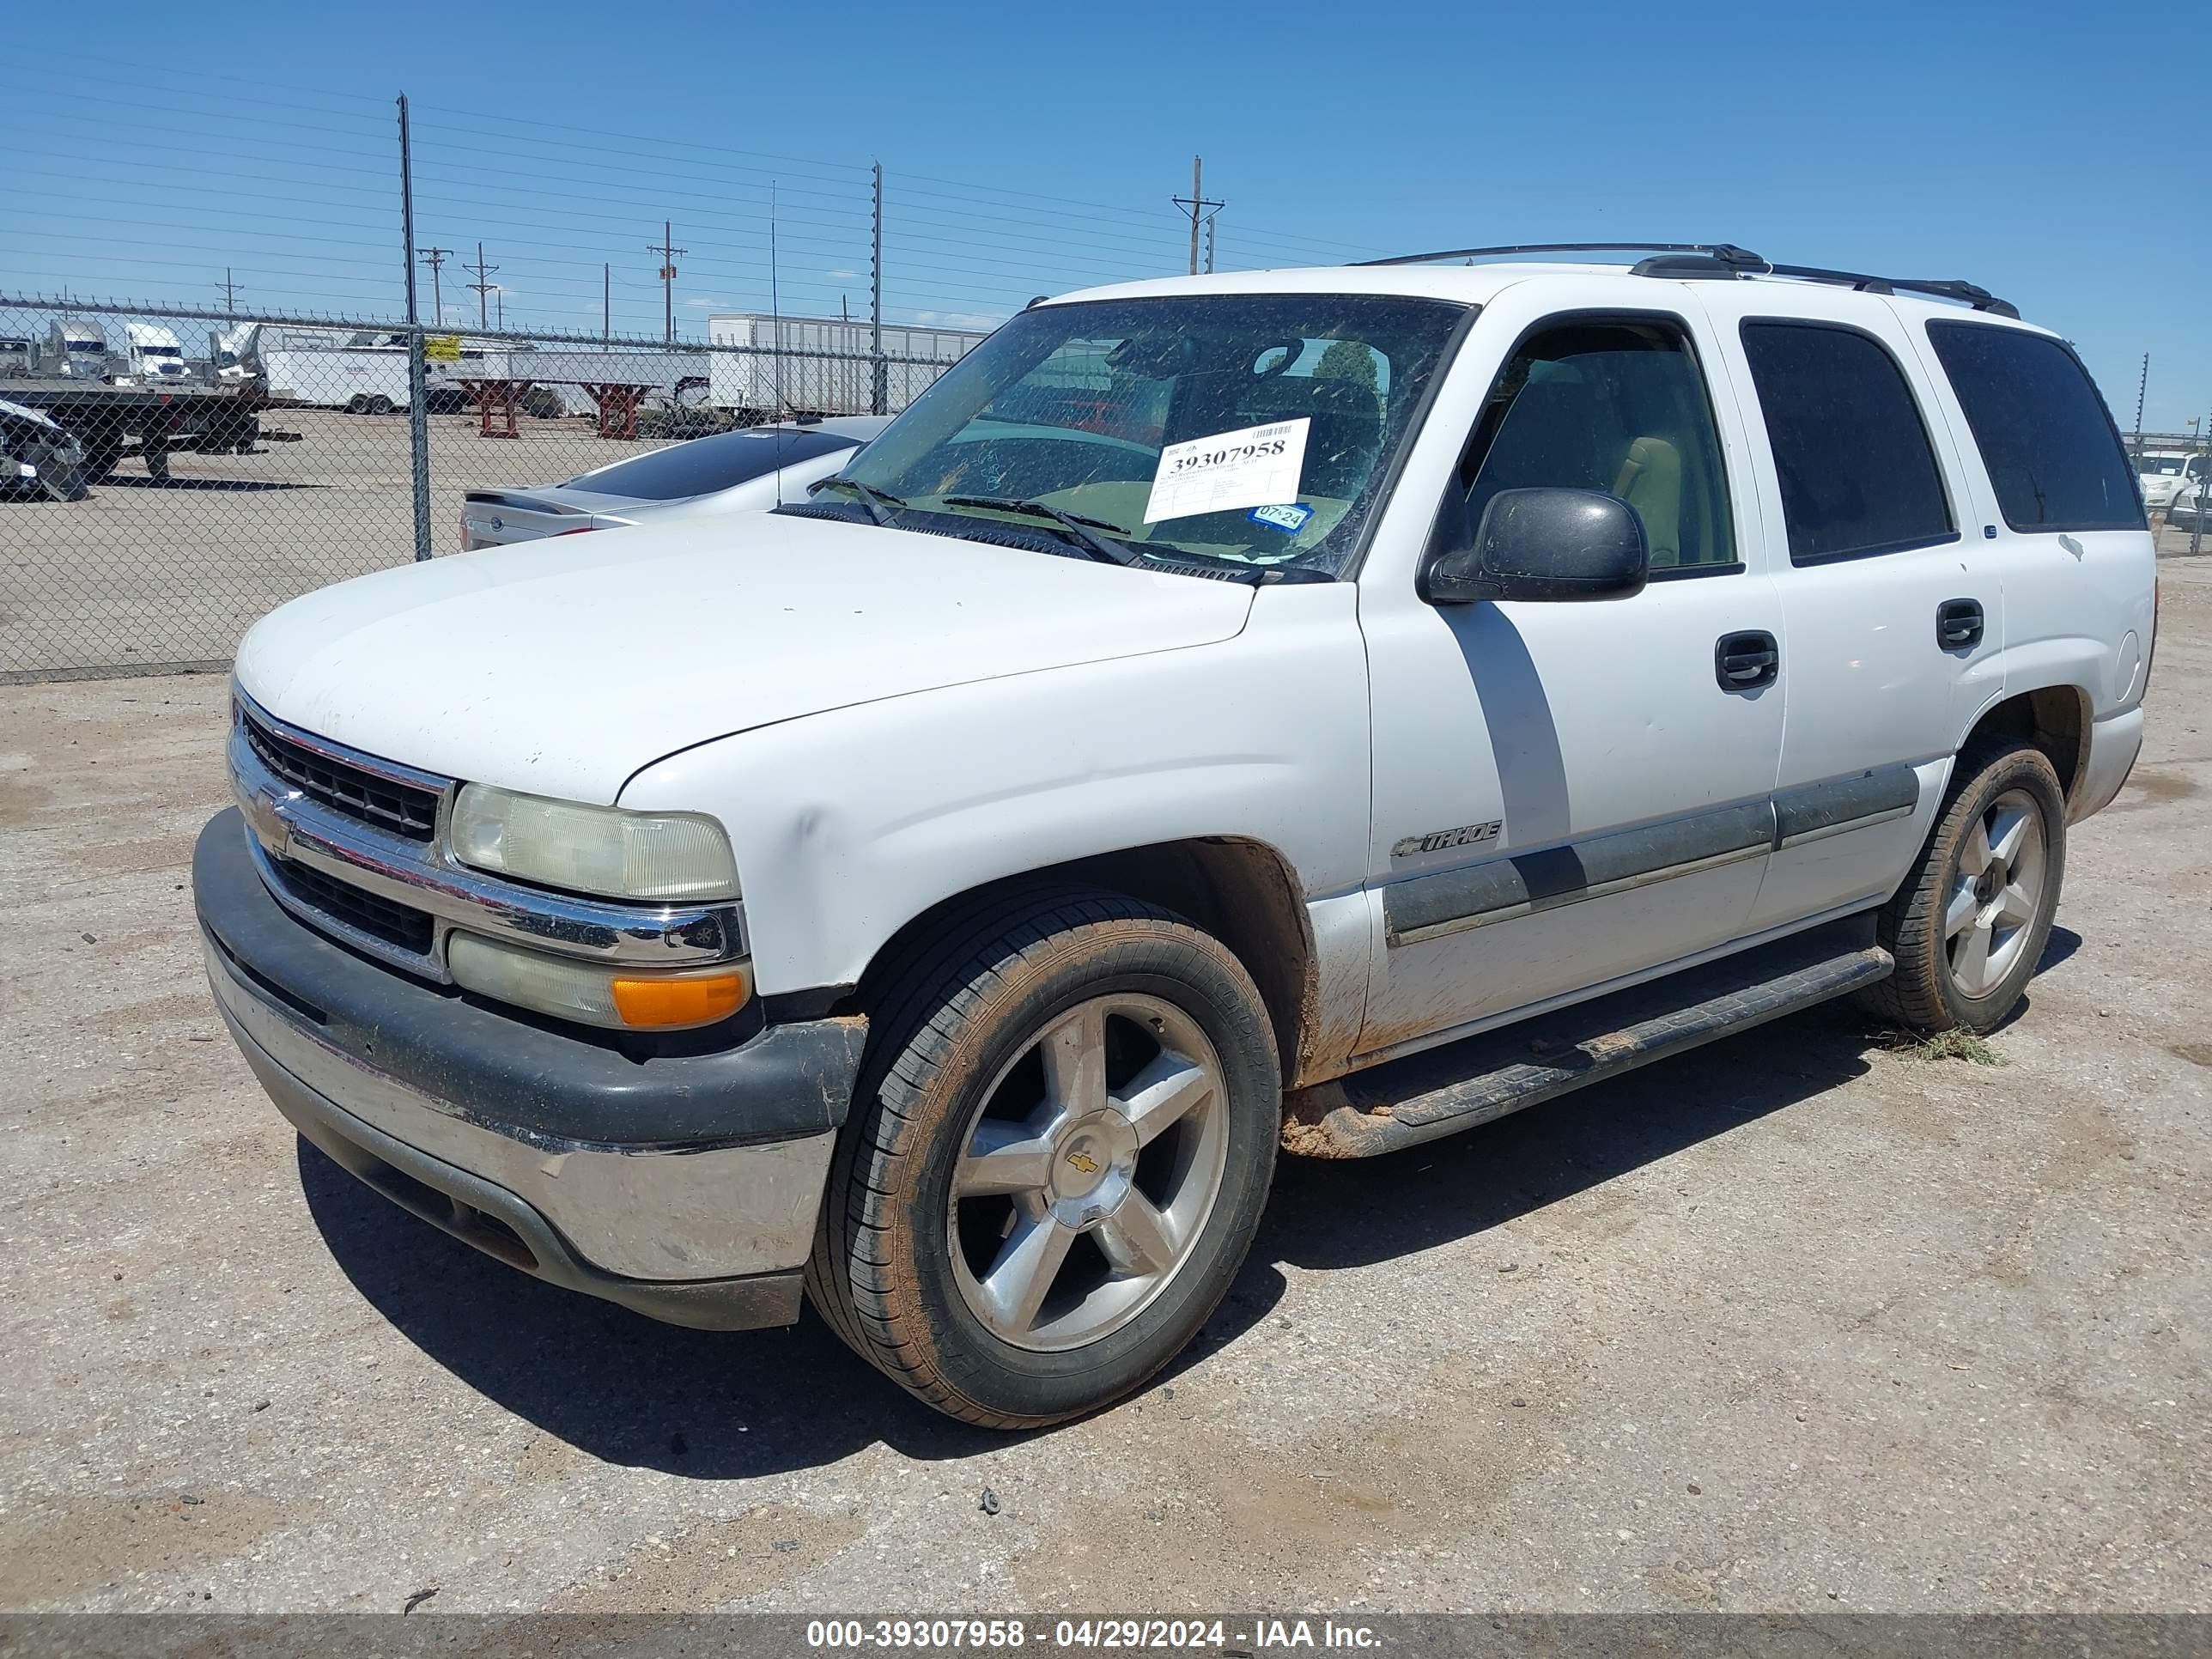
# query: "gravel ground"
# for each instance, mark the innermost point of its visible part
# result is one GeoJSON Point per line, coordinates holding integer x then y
{"type": "Point", "coordinates": [1797, 1322]}
{"type": "Point", "coordinates": [142, 572]}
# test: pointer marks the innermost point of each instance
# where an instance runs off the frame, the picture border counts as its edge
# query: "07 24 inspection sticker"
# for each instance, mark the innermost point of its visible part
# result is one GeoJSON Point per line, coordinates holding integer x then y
{"type": "Point", "coordinates": [1253, 466]}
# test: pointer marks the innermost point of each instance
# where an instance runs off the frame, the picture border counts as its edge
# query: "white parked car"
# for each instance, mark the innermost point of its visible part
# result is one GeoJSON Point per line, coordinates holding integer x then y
{"type": "Point", "coordinates": [1318, 709]}
{"type": "Point", "coordinates": [748, 470]}
{"type": "Point", "coordinates": [2166, 475]}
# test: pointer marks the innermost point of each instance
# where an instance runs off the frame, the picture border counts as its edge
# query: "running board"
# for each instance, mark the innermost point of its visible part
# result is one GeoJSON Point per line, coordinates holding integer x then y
{"type": "Point", "coordinates": [1440, 1091]}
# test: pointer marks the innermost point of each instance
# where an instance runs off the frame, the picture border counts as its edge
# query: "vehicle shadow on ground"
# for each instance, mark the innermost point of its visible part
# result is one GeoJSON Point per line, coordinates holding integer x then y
{"type": "Point", "coordinates": [241, 486]}
{"type": "Point", "coordinates": [712, 1405]}
{"type": "Point", "coordinates": [723, 1406]}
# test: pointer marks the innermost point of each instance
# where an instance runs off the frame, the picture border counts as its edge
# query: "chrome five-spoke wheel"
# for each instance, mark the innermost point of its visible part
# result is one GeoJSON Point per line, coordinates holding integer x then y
{"type": "Point", "coordinates": [1995, 895]}
{"type": "Point", "coordinates": [1087, 1173]}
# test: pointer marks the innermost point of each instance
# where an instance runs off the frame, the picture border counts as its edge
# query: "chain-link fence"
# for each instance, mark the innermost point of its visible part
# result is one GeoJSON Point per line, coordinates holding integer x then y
{"type": "Point", "coordinates": [170, 477]}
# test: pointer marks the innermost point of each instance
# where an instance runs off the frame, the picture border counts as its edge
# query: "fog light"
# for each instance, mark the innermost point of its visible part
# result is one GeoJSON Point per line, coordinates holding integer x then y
{"type": "Point", "coordinates": [619, 999]}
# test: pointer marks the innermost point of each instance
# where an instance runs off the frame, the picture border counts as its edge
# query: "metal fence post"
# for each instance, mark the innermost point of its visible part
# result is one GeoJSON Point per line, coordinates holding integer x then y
{"type": "Point", "coordinates": [880, 393]}
{"type": "Point", "coordinates": [418, 440]}
{"type": "Point", "coordinates": [2203, 491]}
{"type": "Point", "coordinates": [418, 398]}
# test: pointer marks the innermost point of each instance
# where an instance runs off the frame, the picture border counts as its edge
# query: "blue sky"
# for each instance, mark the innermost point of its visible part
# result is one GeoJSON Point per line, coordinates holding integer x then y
{"type": "Point", "coordinates": [2037, 148]}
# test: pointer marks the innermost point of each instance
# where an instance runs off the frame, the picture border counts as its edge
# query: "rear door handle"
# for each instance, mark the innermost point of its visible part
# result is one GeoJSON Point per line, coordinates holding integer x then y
{"type": "Point", "coordinates": [1959, 624]}
{"type": "Point", "coordinates": [1744, 662]}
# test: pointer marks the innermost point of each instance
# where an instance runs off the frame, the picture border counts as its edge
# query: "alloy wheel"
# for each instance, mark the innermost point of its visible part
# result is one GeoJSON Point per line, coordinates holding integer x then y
{"type": "Point", "coordinates": [1996, 893]}
{"type": "Point", "coordinates": [1088, 1172]}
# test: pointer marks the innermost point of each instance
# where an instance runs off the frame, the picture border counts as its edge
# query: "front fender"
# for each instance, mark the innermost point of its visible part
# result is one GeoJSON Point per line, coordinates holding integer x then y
{"type": "Point", "coordinates": [850, 823]}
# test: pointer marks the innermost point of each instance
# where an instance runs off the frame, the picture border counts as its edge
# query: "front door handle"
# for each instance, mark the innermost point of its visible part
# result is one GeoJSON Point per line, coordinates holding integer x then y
{"type": "Point", "coordinates": [1744, 662]}
{"type": "Point", "coordinates": [1959, 624]}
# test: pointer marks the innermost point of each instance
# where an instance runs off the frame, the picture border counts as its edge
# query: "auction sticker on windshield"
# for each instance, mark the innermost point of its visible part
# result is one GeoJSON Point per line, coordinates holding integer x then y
{"type": "Point", "coordinates": [1253, 466]}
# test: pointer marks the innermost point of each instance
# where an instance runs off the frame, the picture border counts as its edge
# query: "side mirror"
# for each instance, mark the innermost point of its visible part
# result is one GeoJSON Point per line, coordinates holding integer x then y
{"type": "Point", "coordinates": [1541, 544]}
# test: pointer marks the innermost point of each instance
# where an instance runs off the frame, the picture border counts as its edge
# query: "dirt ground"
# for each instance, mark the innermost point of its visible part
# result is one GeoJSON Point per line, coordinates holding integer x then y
{"type": "Point", "coordinates": [1797, 1322]}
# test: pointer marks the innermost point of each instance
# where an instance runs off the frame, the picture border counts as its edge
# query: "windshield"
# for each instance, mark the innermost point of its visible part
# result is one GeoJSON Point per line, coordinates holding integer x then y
{"type": "Point", "coordinates": [1248, 428]}
{"type": "Point", "coordinates": [721, 462]}
{"type": "Point", "coordinates": [2160, 466]}
{"type": "Point", "coordinates": [161, 351]}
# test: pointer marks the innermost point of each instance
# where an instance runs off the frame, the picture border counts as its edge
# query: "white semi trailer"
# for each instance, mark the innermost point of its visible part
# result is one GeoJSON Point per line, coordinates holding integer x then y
{"type": "Point", "coordinates": [820, 365]}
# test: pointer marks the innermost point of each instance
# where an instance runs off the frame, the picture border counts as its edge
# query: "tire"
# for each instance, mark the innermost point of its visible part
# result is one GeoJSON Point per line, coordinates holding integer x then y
{"type": "Point", "coordinates": [1965, 954]}
{"type": "Point", "coordinates": [380, 405]}
{"type": "Point", "coordinates": [155, 454]}
{"type": "Point", "coordinates": [357, 405]}
{"type": "Point", "coordinates": [928, 1285]}
{"type": "Point", "coordinates": [100, 459]}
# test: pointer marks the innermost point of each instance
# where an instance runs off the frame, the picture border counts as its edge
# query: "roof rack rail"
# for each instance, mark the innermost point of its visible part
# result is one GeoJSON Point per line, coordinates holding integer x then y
{"type": "Point", "coordinates": [1727, 261]}
{"type": "Point", "coordinates": [1970, 293]}
{"type": "Point", "coordinates": [1726, 253]}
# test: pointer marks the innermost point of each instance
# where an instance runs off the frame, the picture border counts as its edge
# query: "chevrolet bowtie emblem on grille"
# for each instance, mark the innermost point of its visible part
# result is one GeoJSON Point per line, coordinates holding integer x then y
{"type": "Point", "coordinates": [1084, 1162]}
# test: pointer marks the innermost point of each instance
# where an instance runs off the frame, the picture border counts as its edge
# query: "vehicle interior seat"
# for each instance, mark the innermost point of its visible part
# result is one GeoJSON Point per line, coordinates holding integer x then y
{"type": "Point", "coordinates": [1651, 481]}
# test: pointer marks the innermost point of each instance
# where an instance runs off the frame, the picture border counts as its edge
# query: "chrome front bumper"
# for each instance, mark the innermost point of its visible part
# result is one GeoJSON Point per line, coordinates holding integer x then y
{"type": "Point", "coordinates": [638, 1213]}
{"type": "Point", "coordinates": [684, 1184]}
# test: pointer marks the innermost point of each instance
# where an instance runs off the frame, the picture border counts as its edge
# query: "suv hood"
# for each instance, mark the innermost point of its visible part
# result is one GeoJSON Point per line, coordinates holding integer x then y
{"type": "Point", "coordinates": [562, 666]}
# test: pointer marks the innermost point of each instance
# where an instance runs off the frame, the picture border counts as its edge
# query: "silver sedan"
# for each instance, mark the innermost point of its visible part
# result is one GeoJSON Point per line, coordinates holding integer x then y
{"type": "Point", "coordinates": [747, 471]}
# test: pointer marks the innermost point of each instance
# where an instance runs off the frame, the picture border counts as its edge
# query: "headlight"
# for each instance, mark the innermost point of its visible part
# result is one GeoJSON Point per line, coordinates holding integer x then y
{"type": "Point", "coordinates": [622, 999]}
{"type": "Point", "coordinates": [668, 856]}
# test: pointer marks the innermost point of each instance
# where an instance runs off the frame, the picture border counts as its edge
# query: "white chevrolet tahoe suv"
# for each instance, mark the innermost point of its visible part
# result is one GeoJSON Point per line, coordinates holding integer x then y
{"type": "Point", "coordinates": [1315, 709]}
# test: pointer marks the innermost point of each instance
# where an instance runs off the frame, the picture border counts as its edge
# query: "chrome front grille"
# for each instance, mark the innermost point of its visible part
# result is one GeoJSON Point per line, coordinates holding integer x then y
{"type": "Point", "coordinates": [400, 926]}
{"type": "Point", "coordinates": [385, 802]}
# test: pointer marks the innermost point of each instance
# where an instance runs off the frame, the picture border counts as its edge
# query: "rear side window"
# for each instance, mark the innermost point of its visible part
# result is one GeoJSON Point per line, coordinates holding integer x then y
{"type": "Point", "coordinates": [1858, 475]}
{"type": "Point", "coordinates": [721, 462]}
{"type": "Point", "coordinates": [2045, 435]}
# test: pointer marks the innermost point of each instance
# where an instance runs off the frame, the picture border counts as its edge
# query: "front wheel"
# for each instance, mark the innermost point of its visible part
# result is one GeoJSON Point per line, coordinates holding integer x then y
{"type": "Point", "coordinates": [1057, 1159]}
{"type": "Point", "coordinates": [1970, 924]}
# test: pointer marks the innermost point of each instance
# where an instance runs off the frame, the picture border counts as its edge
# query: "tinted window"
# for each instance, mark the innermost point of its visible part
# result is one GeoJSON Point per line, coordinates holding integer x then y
{"type": "Point", "coordinates": [707, 463]}
{"type": "Point", "coordinates": [1616, 407]}
{"type": "Point", "coordinates": [1857, 471]}
{"type": "Point", "coordinates": [2043, 432]}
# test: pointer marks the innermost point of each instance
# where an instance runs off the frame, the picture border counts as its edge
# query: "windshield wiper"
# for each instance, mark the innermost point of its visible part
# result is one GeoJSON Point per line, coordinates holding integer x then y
{"type": "Point", "coordinates": [1081, 529]}
{"type": "Point", "coordinates": [871, 499]}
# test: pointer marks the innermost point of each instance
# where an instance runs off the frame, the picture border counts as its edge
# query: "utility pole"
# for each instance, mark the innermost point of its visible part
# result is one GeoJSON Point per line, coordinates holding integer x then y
{"type": "Point", "coordinates": [668, 250]}
{"type": "Point", "coordinates": [880, 390]}
{"type": "Point", "coordinates": [483, 286]}
{"type": "Point", "coordinates": [434, 258]}
{"type": "Point", "coordinates": [1197, 204]}
{"type": "Point", "coordinates": [229, 293]}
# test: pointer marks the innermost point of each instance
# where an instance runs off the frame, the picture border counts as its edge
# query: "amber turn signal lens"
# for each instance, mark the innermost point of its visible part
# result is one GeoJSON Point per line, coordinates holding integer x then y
{"type": "Point", "coordinates": [659, 1004]}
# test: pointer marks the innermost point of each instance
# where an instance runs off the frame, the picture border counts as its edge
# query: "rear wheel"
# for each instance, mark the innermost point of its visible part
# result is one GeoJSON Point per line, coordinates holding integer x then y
{"type": "Point", "coordinates": [1057, 1159]}
{"type": "Point", "coordinates": [1971, 924]}
{"type": "Point", "coordinates": [380, 405]}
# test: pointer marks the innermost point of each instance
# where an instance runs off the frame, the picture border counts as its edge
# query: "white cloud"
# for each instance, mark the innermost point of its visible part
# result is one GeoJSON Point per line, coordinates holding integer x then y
{"type": "Point", "coordinates": [844, 275]}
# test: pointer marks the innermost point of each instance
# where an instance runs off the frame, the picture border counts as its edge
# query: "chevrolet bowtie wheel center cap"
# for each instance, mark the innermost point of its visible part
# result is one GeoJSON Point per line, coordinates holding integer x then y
{"type": "Point", "coordinates": [1093, 1162]}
